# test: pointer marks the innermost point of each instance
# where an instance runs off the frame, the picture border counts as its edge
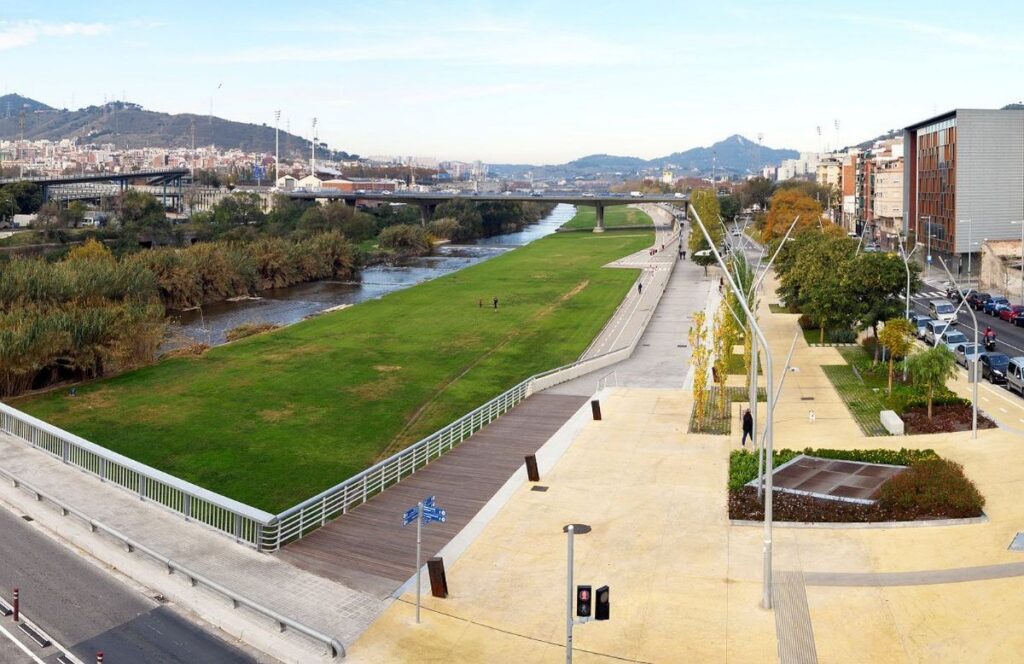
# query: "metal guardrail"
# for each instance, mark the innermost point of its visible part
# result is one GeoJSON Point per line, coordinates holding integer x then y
{"type": "Point", "coordinates": [195, 503]}
{"type": "Point", "coordinates": [334, 646]}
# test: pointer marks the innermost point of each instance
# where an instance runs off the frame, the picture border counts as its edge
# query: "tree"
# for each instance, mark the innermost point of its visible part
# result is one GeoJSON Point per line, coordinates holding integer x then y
{"type": "Point", "coordinates": [8, 205]}
{"type": "Point", "coordinates": [27, 195]}
{"type": "Point", "coordinates": [464, 212]}
{"type": "Point", "coordinates": [897, 337]}
{"type": "Point", "coordinates": [823, 294]}
{"type": "Point", "coordinates": [699, 360]}
{"type": "Point", "coordinates": [142, 214]}
{"type": "Point", "coordinates": [875, 283]}
{"type": "Point", "coordinates": [730, 206]}
{"type": "Point", "coordinates": [238, 209]}
{"type": "Point", "coordinates": [756, 191]}
{"type": "Point", "coordinates": [723, 339]}
{"type": "Point", "coordinates": [405, 238]}
{"type": "Point", "coordinates": [784, 206]}
{"type": "Point", "coordinates": [931, 369]}
{"type": "Point", "coordinates": [50, 221]}
{"type": "Point", "coordinates": [705, 202]}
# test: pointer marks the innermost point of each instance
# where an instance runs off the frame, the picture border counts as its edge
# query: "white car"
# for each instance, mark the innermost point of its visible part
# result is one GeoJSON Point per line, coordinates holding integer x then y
{"type": "Point", "coordinates": [967, 353]}
{"type": "Point", "coordinates": [678, 195]}
{"type": "Point", "coordinates": [953, 338]}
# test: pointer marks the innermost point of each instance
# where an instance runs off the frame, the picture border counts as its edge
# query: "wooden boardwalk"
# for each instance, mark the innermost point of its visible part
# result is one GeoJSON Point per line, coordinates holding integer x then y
{"type": "Point", "coordinates": [368, 549]}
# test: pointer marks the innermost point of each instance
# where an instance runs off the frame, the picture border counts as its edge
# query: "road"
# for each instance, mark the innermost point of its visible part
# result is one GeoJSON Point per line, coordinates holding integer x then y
{"type": "Point", "coordinates": [86, 610]}
{"type": "Point", "coordinates": [1009, 337]}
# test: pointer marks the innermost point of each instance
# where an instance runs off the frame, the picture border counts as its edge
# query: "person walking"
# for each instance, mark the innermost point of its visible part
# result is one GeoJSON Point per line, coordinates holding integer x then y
{"type": "Point", "coordinates": [721, 284]}
{"type": "Point", "coordinates": [495, 304]}
{"type": "Point", "coordinates": [748, 427]}
{"type": "Point", "coordinates": [639, 288]}
{"type": "Point", "coordinates": [684, 254]}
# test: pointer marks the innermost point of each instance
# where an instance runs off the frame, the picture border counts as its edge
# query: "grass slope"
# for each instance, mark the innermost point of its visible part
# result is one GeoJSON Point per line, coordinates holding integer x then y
{"type": "Point", "coordinates": [275, 418]}
{"type": "Point", "coordinates": [617, 215]}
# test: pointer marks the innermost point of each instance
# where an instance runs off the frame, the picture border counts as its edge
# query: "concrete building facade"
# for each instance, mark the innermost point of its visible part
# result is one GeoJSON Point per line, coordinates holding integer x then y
{"type": "Point", "coordinates": [964, 180]}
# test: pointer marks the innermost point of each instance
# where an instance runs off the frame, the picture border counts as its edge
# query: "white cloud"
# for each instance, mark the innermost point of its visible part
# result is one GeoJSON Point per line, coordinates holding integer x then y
{"type": "Point", "coordinates": [16, 34]}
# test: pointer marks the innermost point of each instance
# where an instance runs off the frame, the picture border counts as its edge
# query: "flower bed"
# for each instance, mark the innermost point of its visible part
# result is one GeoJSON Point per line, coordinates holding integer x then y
{"type": "Point", "coordinates": [945, 417]}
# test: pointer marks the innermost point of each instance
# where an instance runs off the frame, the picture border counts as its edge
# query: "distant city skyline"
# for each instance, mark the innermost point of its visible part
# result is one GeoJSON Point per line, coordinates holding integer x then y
{"type": "Point", "coordinates": [531, 82]}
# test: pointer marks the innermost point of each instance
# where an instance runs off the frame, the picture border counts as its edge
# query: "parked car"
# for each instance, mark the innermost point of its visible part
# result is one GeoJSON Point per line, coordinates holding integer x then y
{"type": "Point", "coordinates": [1011, 312]}
{"type": "Point", "coordinates": [977, 300]}
{"type": "Point", "coordinates": [933, 330]}
{"type": "Point", "coordinates": [967, 353]}
{"type": "Point", "coordinates": [942, 310]}
{"type": "Point", "coordinates": [920, 322]}
{"type": "Point", "coordinates": [1015, 375]}
{"type": "Point", "coordinates": [994, 366]}
{"type": "Point", "coordinates": [953, 338]}
{"type": "Point", "coordinates": [994, 304]}
{"type": "Point", "coordinates": [1018, 320]}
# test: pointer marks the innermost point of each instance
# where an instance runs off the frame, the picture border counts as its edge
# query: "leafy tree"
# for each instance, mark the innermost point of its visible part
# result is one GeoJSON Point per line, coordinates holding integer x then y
{"type": "Point", "coordinates": [8, 205]}
{"type": "Point", "coordinates": [730, 206]}
{"type": "Point", "coordinates": [238, 209]}
{"type": "Point", "coordinates": [142, 214]}
{"type": "Point", "coordinates": [405, 238]}
{"type": "Point", "coordinates": [705, 202]}
{"type": "Point", "coordinates": [898, 338]}
{"type": "Point", "coordinates": [27, 195]}
{"type": "Point", "coordinates": [756, 191]}
{"type": "Point", "coordinates": [931, 369]}
{"type": "Point", "coordinates": [464, 212]}
{"type": "Point", "coordinates": [823, 293]}
{"type": "Point", "coordinates": [875, 283]}
{"type": "Point", "coordinates": [785, 205]}
{"type": "Point", "coordinates": [723, 339]}
{"type": "Point", "coordinates": [447, 229]}
{"type": "Point", "coordinates": [51, 221]}
{"type": "Point", "coordinates": [699, 360]}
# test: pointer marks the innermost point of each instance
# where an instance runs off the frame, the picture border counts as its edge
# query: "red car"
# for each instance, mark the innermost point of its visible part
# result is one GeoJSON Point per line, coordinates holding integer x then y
{"type": "Point", "coordinates": [1011, 312]}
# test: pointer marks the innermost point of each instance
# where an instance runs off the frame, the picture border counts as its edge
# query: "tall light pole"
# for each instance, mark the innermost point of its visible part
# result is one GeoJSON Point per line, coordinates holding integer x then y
{"type": "Point", "coordinates": [766, 597]}
{"type": "Point", "coordinates": [906, 263]}
{"type": "Point", "coordinates": [970, 247]}
{"type": "Point", "coordinates": [312, 152]}
{"type": "Point", "coordinates": [928, 259]}
{"type": "Point", "coordinates": [972, 375]}
{"type": "Point", "coordinates": [277, 148]}
{"type": "Point", "coordinates": [1021, 223]}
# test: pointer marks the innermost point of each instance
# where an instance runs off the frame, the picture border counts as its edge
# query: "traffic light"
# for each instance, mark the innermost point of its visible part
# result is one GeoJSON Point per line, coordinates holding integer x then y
{"type": "Point", "coordinates": [603, 607]}
{"type": "Point", "coordinates": [583, 601]}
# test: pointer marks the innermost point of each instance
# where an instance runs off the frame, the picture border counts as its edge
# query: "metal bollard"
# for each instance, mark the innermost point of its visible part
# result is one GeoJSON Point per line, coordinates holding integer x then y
{"type": "Point", "coordinates": [531, 468]}
{"type": "Point", "coordinates": [99, 657]}
{"type": "Point", "coordinates": [438, 580]}
{"type": "Point", "coordinates": [595, 407]}
{"type": "Point", "coordinates": [15, 607]}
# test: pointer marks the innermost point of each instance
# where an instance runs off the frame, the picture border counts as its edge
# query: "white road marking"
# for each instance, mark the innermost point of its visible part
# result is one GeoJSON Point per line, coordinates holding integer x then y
{"type": "Point", "coordinates": [21, 646]}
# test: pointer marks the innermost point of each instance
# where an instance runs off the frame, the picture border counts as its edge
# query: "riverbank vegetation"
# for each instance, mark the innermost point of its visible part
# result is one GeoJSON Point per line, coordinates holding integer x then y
{"type": "Point", "coordinates": [614, 216]}
{"type": "Point", "coordinates": [277, 417]}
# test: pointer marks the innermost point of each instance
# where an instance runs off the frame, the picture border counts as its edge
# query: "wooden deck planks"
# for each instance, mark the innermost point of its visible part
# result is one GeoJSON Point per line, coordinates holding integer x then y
{"type": "Point", "coordinates": [368, 549]}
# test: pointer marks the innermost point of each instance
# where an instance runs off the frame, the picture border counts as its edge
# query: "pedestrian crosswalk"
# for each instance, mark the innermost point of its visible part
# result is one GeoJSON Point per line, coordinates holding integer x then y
{"type": "Point", "coordinates": [930, 294]}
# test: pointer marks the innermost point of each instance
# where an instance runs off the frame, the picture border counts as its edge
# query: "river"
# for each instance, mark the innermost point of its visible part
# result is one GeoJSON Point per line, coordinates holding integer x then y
{"type": "Point", "coordinates": [283, 306]}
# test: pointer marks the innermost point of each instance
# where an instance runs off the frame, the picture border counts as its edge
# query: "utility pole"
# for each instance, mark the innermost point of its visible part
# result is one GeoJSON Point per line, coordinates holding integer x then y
{"type": "Point", "coordinates": [312, 152]}
{"type": "Point", "coordinates": [21, 162]}
{"type": "Point", "coordinates": [277, 147]}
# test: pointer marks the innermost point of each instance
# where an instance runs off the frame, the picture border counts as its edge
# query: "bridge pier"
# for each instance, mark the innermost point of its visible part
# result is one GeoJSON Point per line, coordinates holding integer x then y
{"type": "Point", "coordinates": [427, 212]}
{"type": "Point", "coordinates": [599, 226]}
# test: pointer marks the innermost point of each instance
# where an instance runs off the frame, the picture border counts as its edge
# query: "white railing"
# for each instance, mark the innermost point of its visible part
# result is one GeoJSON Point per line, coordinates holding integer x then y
{"type": "Point", "coordinates": [195, 503]}
{"type": "Point", "coordinates": [194, 578]}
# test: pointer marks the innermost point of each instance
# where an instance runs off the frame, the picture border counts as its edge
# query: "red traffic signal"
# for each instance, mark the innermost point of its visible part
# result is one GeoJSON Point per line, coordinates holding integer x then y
{"type": "Point", "coordinates": [584, 597]}
{"type": "Point", "coordinates": [603, 607]}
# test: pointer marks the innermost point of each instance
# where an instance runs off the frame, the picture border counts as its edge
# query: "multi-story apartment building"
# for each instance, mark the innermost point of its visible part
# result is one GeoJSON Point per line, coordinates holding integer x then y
{"type": "Point", "coordinates": [964, 180]}
{"type": "Point", "coordinates": [887, 203]}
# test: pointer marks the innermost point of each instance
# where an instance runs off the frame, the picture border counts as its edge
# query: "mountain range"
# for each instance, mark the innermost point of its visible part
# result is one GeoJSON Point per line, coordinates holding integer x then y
{"type": "Point", "coordinates": [735, 155]}
{"type": "Point", "coordinates": [127, 124]}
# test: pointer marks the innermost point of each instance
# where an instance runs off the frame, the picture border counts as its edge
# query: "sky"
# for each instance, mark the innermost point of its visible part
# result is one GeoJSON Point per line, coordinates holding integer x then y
{"type": "Point", "coordinates": [526, 82]}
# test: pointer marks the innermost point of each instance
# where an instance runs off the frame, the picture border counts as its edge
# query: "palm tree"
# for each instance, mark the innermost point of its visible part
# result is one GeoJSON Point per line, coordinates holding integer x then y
{"type": "Point", "coordinates": [931, 369]}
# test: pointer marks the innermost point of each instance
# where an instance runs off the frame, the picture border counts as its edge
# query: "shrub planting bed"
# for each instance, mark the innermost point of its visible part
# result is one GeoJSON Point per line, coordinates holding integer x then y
{"type": "Point", "coordinates": [930, 488]}
{"type": "Point", "coordinates": [945, 417]}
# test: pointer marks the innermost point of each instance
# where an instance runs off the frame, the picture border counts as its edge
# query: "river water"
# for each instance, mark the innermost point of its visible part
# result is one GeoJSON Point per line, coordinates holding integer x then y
{"type": "Point", "coordinates": [282, 306]}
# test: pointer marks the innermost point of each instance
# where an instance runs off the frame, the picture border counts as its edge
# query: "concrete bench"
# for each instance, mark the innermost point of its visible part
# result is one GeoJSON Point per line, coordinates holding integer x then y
{"type": "Point", "coordinates": [892, 422]}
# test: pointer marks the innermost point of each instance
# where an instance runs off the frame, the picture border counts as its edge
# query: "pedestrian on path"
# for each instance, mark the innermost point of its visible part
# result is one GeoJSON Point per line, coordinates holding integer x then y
{"type": "Point", "coordinates": [721, 284]}
{"type": "Point", "coordinates": [495, 304]}
{"type": "Point", "coordinates": [639, 288]}
{"type": "Point", "coordinates": [481, 303]}
{"type": "Point", "coordinates": [684, 254]}
{"type": "Point", "coordinates": [748, 427]}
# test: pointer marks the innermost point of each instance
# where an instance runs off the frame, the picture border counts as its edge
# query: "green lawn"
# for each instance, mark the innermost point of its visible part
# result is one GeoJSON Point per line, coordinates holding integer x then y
{"type": "Point", "coordinates": [863, 394]}
{"type": "Point", "coordinates": [275, 418]}
{"type": "Point", "coordinates": [616, 215]}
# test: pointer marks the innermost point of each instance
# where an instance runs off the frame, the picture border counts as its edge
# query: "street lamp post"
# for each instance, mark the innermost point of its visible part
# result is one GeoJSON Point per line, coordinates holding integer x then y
{"type": "Point", "coordinates": [973, 375]}
{"type": "Point", "coordinates": [928, 258]}
{"type": "Point", "coordinates": [766, 597]}
{"type": "Point", "coordinates": [906, 264]}
{"type": "Point", "coordinates": [1021, 223]}
{"type": "Point", "coordinates": [970, 247]}
{"type": "Point", "coordinates": [277, 147]}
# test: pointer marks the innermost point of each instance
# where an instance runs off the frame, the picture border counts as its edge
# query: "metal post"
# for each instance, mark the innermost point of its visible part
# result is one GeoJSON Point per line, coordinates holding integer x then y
{"type": "Point", "coordinates": [15, 607]}
{"type": "Point", "coordinates": [906, 264]}
{"type": "Point", "coordinates": [419, 531]}
{"type": "Point", "coordinates": [974, 378]}
{"type": "Point", "coordinates": [568, 600]}
{"type": "Point", "coordinates": [766, 598]}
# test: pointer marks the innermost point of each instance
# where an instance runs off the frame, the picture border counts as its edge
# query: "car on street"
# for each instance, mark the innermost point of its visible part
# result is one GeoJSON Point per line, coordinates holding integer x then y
{"type": "Point", "coordinates": [933, 330]}
{"type": "Point", "coordinates": [942, 310]}
{"type": "Point", "coordinates": [977, 300]}
{"type": "Point", "coordinates": [920, 323]}
{"type": "Point", "coordinates": [1011, 312]}
{"type": "Point", "coordinates": [994, 304]}
{"type": "Point", "coordinates": [1018, 320]}
{"type": "Point", "coordinates": [679, 195]}
{"type": "Point", "coordinates": [994, 366]}
{"type": "Point", "coordinates": [1015, 375]}
{"type": "Point", "coordinates": [967, 353]}
{"type": "Point", "coordinates": [953, 338]}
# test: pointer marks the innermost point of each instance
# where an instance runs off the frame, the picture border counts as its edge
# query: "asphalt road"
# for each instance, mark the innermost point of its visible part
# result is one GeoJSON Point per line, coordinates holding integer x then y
{"type": "Point", "coordinates": [1009, 337]}
{"type": "Point", "coordinates": [87, 610]}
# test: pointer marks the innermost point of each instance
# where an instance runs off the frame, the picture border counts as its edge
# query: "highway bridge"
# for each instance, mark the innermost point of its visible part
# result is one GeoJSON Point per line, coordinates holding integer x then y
{"type": "Point", "coordinates": [429, 201]}
{"type": "Point", "coordinates": [167, 178]}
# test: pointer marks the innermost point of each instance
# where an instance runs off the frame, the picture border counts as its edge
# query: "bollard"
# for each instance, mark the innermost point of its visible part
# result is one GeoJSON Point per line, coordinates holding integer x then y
{"type": "Point", "coordinates": [595, 406]}
{"type": "Point", "coordinates": [99, 657]}
{"type": "Point", "coordinates": [438, 580]}
{"type": "Point", "coordinates": [531, 468]}
{"type": "Point", "coordinates": [15, 607]}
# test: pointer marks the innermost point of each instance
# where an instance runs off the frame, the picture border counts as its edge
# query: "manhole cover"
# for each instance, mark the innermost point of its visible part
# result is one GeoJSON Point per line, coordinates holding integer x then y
{"type": "Point", "coordinates": [577, 528]}
{"type": "Point", "coordinates": [538, 488]}
{"type": "Point", "coordinates": [1018, 543]}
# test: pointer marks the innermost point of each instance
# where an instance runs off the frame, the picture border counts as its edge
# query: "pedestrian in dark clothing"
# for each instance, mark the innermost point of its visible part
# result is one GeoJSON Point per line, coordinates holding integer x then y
{"type": "Point", "coordinates": [481, 304]}
{"type": "Point", "coordinates": [748, 428]}
{"type": "Point", "coordinates": [639, 288]}
{"type": "Point", "coordinates": [684, 254]}
{"type": "Point", "coordinates": [495, 304]}
{"type": "Point", "coordinates": [721, 283]}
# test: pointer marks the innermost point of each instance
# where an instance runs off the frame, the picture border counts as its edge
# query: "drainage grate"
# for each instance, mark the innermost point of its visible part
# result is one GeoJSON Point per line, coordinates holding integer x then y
{"type": "Point", "coordinates": [645, 344]}
{"type": "Point", "coordinates": [41, 640]}
{"type": "Point", "coordinates": [806, 398]}
{"type": "Point", "coordinates": [27, 517]}
{"type": "Point", "coordinates": [680, 345]}
{"type": "Point", "coordinates": [577, 528]}
{"type": "Point", "coordinates": [538, 488]}
{"type": "Point", "coordinates": [1018, 543]}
